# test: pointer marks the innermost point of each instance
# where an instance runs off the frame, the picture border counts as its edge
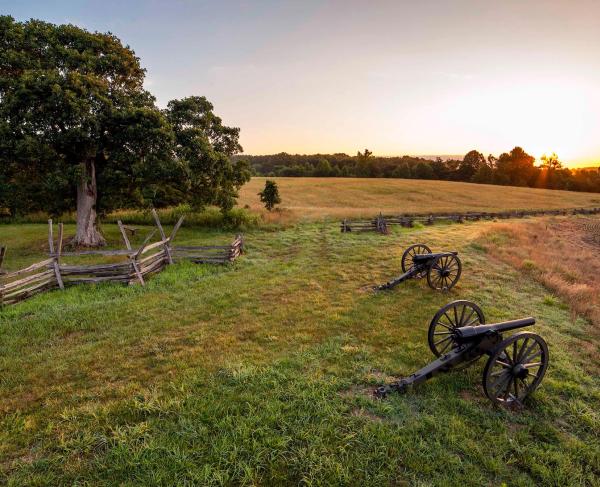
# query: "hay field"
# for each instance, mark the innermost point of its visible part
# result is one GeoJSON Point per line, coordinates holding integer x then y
{"type": "Point", "coordinates": [315, 198]}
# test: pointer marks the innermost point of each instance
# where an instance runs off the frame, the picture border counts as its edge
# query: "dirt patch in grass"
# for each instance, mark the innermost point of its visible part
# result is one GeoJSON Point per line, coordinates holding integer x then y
{"type": "Point", "coordinates": [469, 395]}
{"type": "Point", "coordinates": [363, 413]}
{"type": "Point", "coordinates": [358, 391]}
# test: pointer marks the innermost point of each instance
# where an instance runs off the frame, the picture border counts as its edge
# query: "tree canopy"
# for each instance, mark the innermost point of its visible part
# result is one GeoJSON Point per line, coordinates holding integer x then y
{"type": "Point", "coordinates": [203, 148]}
{"type": "Point", "coordinates": [79, 131]}
{"type": "Point", "coordinates": [512, 168]}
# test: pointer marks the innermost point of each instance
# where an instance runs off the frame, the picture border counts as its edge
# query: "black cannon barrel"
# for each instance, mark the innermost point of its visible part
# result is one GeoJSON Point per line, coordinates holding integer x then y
{"type": "Point", "coordinates": [467, 332]}
{"type": "Point", "coordinates": [428, 257]}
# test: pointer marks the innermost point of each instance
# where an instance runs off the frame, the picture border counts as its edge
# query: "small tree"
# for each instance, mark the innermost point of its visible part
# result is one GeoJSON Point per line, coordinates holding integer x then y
{"type": "Point", "coordinates": [270, 195]}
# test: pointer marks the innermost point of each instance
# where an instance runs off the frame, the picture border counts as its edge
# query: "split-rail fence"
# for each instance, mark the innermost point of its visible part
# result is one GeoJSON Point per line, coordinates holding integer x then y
{"type": "Point", "coordinates": [381, 223]}
{"type": "Point", "coordinates": [136, 266]}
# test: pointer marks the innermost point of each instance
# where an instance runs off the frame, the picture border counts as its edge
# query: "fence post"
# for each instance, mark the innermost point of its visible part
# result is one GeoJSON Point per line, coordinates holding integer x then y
{"type": "Point", "coordinates": [134, 258]}
{"type": "Point", "coordinates": [50, 237]}
{"type": "Point", "coordinates": [56, 262]}
{"type": "Point", "coordinates": [162, 235]}
{"type": "Point", "coordinates": [53, 255]}
{"type": "Point", "coordinates": [2, 254]}
{"type": "Point", "coordinates": [124, 234]}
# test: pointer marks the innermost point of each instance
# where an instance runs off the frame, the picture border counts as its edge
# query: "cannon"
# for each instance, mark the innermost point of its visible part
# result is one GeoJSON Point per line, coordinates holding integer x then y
{"type": "Point", "coordinates": [458, 336]}
{"type": "Point", "coordinates": [442, 269]}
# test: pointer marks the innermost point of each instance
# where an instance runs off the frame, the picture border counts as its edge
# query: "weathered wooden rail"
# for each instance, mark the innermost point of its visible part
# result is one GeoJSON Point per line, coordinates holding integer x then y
{"type": "Point", "coordinates": [138, 264]}
{"type": "Point", "coordinates": [2, 255]}
{"type": "Point", "coordinates": [381, 223]}
{"type": "Point", "coordinates": [211, 254]}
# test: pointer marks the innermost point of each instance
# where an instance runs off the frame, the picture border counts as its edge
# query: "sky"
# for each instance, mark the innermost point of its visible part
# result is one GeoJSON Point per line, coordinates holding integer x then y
{"type": "Point", "coordinates": [397, 77]}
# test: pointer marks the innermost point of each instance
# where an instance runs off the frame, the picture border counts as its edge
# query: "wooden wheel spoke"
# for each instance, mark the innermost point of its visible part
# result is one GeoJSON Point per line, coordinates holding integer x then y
{"type": "Point", "coordinates": [446, 346]}
{"type": "Point", "coordinates": [462, 315]}
{"type": "Point", "coordinates": [506, 356]}
{"type": "Point", "coordinates": [516, 387]}
{"type": "Point", "coordinates": [534, 364]}
{"type": "Point", "coordinates": [448, 327]}
{"type": "Point", "coordinates": [500, 384]}
{"type": "Point", "coordinates": [449, 319]}
{"type": "Point", "coordinates": [529, 350]}
{"type": "Point", "coordinates": [530, 357]}
{"type": "Point", "coordinates": [522, 349]}
{"type": "Point", "coordinates": [443, 340]}
{"type": "Point", "coordinates": [470, 316]}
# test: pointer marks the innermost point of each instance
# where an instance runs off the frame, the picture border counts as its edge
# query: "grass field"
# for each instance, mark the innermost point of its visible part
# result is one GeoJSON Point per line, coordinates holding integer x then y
{"type": "Point", "coordinates": [260, 373]}
{"type": "Point", "coordinates": [310, 198]}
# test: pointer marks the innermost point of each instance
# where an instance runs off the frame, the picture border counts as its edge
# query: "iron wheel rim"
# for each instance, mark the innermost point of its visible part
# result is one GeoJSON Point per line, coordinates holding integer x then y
{"type": "Point", "coordinates": [442, 329]}
{"type": "Point", "coordinates": [522, 351]}
{"type": "Point", "coordinates": [444, 273]}
{"type": "Point", "coordinates": [408, 255]}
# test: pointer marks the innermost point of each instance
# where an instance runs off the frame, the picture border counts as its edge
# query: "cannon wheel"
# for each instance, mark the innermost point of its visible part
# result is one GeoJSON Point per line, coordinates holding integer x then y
{"type": "Point", "coordinates": [516, 368]}
{"type": "Point", "coordinates": [450, 317]}
{"type": "Point", "coordinates": [409, 253]}
{"type": "Point", "coordinates": [444, 273]}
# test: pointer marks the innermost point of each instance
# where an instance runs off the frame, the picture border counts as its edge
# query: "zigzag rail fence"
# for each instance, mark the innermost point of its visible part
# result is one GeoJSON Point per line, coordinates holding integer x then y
{"type": "Point", "coordinates": [381, 223]}
{"type": "Point", "coordinates": [138, 264]}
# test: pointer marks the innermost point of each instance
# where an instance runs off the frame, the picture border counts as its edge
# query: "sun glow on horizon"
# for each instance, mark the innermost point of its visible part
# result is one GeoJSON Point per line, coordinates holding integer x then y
{"type": "Point", "coordinates": [399, 78]}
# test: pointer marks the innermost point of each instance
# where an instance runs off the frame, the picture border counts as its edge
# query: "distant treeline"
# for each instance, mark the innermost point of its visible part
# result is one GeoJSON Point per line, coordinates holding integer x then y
{"type": "Point", "coordinates": [514, 168]}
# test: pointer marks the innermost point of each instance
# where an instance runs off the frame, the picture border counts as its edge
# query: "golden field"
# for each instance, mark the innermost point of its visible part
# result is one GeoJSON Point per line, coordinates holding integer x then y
{"type": "Point", "coordinates": [315, 198]}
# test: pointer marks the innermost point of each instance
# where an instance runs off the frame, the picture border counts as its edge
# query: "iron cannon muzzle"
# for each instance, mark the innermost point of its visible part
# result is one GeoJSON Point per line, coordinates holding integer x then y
{"type": "Point", "coordinates": [469, 332]}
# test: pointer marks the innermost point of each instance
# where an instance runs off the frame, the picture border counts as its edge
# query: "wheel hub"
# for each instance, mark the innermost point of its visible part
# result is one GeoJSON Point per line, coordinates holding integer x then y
{"type": "Point", "coordinates": [520, 371]}
{"type": "Point", "coordinates": [445, 272]}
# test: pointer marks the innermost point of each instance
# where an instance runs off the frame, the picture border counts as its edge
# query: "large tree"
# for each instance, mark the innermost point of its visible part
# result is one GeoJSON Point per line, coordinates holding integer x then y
{"type": "Point", "coordinates": [516, 168]}
{"type": "Point", "coordinates": [73, 113]}
{"type": "Point", "coordinates": [470, 165]}
{"type": "Point", "coordinates": [204, 148]}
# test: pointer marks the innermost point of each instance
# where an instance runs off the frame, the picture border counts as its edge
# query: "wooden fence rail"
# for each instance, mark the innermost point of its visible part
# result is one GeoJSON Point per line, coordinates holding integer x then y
{"type": "Point", "coordinates": [2, 255]}
{"type": "Point", "coordinates": [214, 254]}
{"type": "Point", "coordinates": [380, 224]}
{"type": "Point", "coordinates": [148, 259]}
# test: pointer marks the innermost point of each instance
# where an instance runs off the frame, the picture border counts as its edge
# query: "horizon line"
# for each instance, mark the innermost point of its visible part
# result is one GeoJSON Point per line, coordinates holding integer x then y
{"type": "Point", "coordinates": [571, 165]}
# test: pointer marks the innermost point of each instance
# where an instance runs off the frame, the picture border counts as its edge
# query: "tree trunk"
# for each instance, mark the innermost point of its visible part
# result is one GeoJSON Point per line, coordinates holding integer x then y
{"type": "Point", "coordinates": [87, 192]}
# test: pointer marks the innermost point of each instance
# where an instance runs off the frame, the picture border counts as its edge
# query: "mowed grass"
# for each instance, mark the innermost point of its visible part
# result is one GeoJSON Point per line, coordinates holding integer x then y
{"type": "Point", "coordinates": [315, 198]}
{"type": "Point", "coordinates": [260, 373]}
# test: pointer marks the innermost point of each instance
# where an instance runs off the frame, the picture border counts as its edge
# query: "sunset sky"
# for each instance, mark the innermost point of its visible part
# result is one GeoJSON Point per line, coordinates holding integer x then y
{"type": "Point", "coordinates": [414, 77]}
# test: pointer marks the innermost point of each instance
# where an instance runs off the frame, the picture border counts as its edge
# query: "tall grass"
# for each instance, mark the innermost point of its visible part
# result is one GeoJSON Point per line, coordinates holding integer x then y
{"type": "Point", "coordinates": [333, 198]}
{"type": "Point", "coordinates": [211, 217]}
{"type": "Point", "coordinates": [560, 253]}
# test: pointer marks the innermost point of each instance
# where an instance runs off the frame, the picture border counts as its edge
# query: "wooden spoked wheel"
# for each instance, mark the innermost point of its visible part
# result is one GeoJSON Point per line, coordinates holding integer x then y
{"type": "Point", "coordinates": [408, 255]}
{"type": "Point", "coordinates": [442, 329]}
{"type": "Point", "coordinates": [516, 368]}
{"type": "Point", "coordinates": [444, 273]}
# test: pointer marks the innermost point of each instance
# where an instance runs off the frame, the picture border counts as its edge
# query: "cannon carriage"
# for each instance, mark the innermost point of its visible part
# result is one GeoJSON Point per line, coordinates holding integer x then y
{"type": "Point", "coordinates": [442, 269]}
{"type": "Point", "coordinates": [458, 336]}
